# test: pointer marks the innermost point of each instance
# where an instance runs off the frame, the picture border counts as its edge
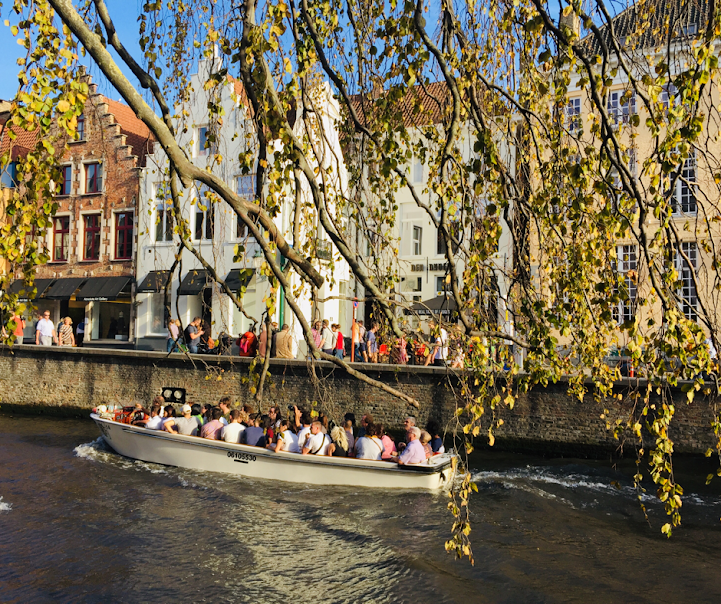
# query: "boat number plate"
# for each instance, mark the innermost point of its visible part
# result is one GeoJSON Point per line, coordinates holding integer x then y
{"type": "Point", "coordinates": [241, 457]}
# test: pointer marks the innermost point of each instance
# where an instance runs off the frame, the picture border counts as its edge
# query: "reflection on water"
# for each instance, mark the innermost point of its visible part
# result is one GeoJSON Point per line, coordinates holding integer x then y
{"type": "Point", "coordinates": [80, 523]}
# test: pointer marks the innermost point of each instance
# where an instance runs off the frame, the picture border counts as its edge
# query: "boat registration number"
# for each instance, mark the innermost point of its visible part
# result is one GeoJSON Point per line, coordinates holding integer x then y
{"type": "Point", "coordinates": [246, 457]}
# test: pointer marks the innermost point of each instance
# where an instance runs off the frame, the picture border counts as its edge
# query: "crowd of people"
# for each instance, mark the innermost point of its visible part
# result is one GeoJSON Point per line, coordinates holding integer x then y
{"type": "Point", "coordinates": [299, 433]}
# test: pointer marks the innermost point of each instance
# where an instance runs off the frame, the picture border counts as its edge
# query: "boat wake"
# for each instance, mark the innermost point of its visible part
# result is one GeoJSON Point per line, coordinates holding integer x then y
{"type": "Point", "coordinates": [99, 451]}
{"type": "Point", "coordinates": [4, 506]}
{"type": "Point", "coordinates": [530, 477]}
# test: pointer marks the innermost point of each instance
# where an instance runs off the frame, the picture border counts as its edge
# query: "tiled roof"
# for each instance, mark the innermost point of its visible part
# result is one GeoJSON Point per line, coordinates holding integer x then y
{"type": "Point", "coordinates": [651, 23]}
{"type": "Point", "coordinates": [138, 135]}
{"type": "Point", "coordinates": [23, 143]}
{"type": "Point", "coordinates": [423, 105]}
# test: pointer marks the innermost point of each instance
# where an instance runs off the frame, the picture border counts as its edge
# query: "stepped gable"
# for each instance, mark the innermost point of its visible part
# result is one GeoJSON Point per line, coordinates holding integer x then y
{"type": "Point", "coordinates": [137, 134]}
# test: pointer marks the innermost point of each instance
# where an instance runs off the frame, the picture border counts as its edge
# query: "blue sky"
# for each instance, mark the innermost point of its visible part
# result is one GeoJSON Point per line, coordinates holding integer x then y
{"type": "Point", "coordinates": [124, 13]}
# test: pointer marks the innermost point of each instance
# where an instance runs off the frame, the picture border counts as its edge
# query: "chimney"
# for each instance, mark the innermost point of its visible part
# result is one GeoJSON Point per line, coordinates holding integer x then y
{"type": "Point", "coordinates": [572, 21]}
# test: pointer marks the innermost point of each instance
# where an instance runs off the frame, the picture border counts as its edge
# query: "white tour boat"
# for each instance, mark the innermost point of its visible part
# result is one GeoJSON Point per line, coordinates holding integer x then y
{"type": "Point", "coordinates": [196, 453]}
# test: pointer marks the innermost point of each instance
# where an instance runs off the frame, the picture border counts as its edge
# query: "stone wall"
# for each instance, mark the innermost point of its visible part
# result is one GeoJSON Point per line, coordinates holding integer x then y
{"type": "Point", "coordinates": [547, 420]}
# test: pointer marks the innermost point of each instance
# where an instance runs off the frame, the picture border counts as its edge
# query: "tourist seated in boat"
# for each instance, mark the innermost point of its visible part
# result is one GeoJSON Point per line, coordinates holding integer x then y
{"type": "Point", "coordinates": [186, 424]}
{"type": "Point", "coordinates": [389, 447]}
{"type": "Point", "coordinates": [231, 433]}
{"type": "Point", "coordinates": [414, 452]}
{"type": "Point", "coordinates": [254, 435]}
{"type": "Point", "coordinates": [213, 428]}
{"type": "Point", "coordinates": [434, 429]}
{"type": "Point", "coordinates": [275, 416]}
{"type": "Point", "coordinates": [365, 420]}
{"type": "Point", "coordinates": [197, 414]}
{"type": "Point", "coordinates": [139, 416]}
{"type": "Point", "coordinates": [286, 439]}
{"type": "Point", "coordinates": [317, 443]}
{"type": "Point", "coordinates": [304, 431]}
{"type": "Point", "coordinates": [168, 417]}
{"type": "Point", "coordinates": [207, 413]}
{"type": "Point", "coordinates": [156, 418]}
{"type": "Point", "coordinates": [339, 447]}
{"type": "Point", "coordinates": [408, 423]}
{"type": "Point", "coordinates": [349, 425]}
{"type": "Point", "coordinates": [369, 446]}
{"type": "Point", "coordinates": [425, 441]}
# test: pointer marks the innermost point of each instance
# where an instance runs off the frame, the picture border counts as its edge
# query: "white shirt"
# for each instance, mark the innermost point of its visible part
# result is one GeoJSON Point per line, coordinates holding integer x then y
{"type": "Point", "coordinates": [288, 442]}
{"type": "Point", "coordinates": [223, 421]}
{"type": "Point", "coordinates": [45, 327]}
{"type": "Point", "coordinates": [304, 432]}
{"type": "Point", "coordinates": [329, 338]}
{"type": "Point", "coordinates": [369, 448]}
{"type": "Point", "coordinates": [154, 423]}
{"type": "Point", "coordinates": [442, 339]}
{"type": "Point", "coordinates": [231, 432]}
{"type": "Point", "coordinates": [318, 444]}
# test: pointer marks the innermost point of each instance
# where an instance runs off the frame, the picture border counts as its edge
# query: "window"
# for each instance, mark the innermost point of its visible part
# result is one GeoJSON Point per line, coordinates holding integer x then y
{"type": "Point", "coordinates": [9, 175]}
{"type": "Point", "coordinates": [668, 96]}
{"type": "Point", "coordinates": [164, 223]}
{"type": "Point", "coordinates": [687, 268]}
{"type": "Point", "coordinates": [621, 107]}
{"type": "Point", "coordinates": [412, 284]}
{"type": "Point", "coordinates": [206, 142]}
{"type": "Point", "coordinates": [572, 114]}
{"type": "Point", "coordinates": [81, 127]}
{"type": "Point", "coordinates": [683, 195]}
{"type": "Point", "coordinates": [67, 185]}
{"type": "Point", "coordinates": [92, 237]}
{"type": "Point", "coordinates": [158, 315]}
{"type": "Point", "coordinates": [417, 175]}
{"type": "Point", "coordinates": [245, 186]}
{"type": "Point", "coordinates": [417, 241]}
{"type": "Point", "coordinates": [241, 230]}
{"type": "Point", "coordinates": [123, 235]}
{"type": "Point", "coordinates": [93, 178]}
{"type": "Point", "coordinates": [690, 29]}
{"type": "Point", "coordinates": [441, 248]}
{"type": "Point", "coordinates": [627, 266]}
{"type": "Point", "coordinates": [442, 286]}
{"type": "Point", "coordinates": [204, 216]}
{"type": "Point", "coordinates": [61, 238]}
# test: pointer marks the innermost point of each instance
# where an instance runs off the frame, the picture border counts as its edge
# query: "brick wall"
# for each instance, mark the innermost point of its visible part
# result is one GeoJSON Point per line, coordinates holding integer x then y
{"type": "Point", "coordinates": [547, 420]}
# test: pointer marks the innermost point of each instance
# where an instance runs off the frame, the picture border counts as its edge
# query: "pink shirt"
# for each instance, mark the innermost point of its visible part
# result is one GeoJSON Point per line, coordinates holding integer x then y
{"type": "Point", "coordinates": [262, 342]}
{"type": "Point", "coordinates": [388, 446]}
{"type": "Point", "coordinates": [212, 430]}
{"type": "Point", "coordinates": [413, 453]}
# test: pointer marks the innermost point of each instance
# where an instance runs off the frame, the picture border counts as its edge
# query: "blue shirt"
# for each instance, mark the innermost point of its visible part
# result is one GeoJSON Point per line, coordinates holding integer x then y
{"type": "Point", "coordinates": [372, 343]}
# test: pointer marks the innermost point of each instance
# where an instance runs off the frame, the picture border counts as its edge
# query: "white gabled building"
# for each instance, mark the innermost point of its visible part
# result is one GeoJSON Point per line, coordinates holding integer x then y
{"type": "Point", "coordinates": [217, 231]}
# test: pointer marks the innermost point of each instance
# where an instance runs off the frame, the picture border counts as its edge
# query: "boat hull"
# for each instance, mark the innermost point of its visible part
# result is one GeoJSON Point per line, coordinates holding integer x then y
{"type": "Point", "coordinates": [205, 455]}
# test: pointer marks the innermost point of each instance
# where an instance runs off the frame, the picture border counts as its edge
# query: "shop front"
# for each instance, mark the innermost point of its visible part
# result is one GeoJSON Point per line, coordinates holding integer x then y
{"type": "Point", "coordinates": [108, 303]}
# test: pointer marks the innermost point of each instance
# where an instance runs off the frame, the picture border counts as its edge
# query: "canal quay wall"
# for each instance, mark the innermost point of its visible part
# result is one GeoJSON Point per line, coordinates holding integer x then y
{"type": "Point", "coordinates": [70, 381]}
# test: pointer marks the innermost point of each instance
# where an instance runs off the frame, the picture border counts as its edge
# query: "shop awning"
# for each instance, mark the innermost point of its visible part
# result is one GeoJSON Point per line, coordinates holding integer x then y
{"type": "Point", "coordinates": [19, 286]}
{"type": "Point", "coordinates": [153, 283]}
{"type": "Point", "coordinates": [442, 305]}
{"type": "Point", "coordinates": [194, 282]}
{"type": "Point", "coordinates": [103, 288]}
{"type": "Point", "coordinates": [63, 289]}
{"type": "Point", "coordinates": [239, 277]}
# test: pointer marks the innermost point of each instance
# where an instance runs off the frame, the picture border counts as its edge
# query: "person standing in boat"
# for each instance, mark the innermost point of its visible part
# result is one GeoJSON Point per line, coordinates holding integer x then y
{"type": "Point", "coordinates": [317, 443]}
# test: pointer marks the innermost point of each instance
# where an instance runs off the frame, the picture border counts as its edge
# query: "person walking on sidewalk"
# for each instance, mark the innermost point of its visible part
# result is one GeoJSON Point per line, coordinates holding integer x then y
{"type": "Point", "coordinates": [45, 333]}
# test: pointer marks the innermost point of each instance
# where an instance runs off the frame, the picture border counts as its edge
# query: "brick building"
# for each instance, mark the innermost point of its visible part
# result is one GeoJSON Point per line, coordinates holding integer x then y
{"type": "Point", "coordinates": [91, 273]}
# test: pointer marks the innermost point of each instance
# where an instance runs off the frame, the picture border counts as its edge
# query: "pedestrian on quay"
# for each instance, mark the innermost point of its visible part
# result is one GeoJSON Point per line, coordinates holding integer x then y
{"type": "Point", "coordinates": [284, 343]}
{"type": "Point", "coordinates": [173, 335]}
{"type": "Point", "coordinates": [45, 333]}
{"type": "Point", "coordinates": [66, 336]}
{"type": "Point", "coordinates": [80, 332]}
{"type": "Point", "coordinates": [327, 343]}
{"type": "Point", "coordinates": [18, 329]}
{"type": "Point", "coordinates": [192, 335]}
{"type": "Point", "coordinates": [339, 342]}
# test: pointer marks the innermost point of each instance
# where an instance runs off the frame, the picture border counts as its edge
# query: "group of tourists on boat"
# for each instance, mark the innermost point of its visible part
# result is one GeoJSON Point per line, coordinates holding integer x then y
{"type": "Point", "coordinates": [300, 433]}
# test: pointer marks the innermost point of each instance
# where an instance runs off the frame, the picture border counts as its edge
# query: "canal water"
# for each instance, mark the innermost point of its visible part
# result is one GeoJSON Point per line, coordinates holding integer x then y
{"type": "Point", "coordinates": [79, 523]}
